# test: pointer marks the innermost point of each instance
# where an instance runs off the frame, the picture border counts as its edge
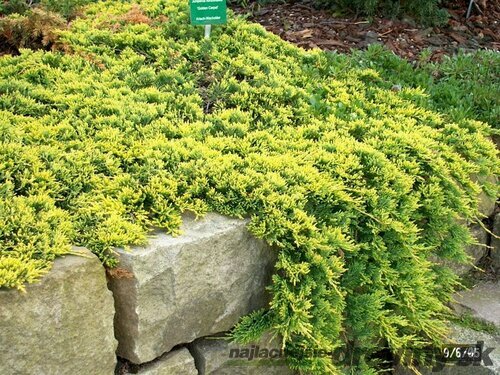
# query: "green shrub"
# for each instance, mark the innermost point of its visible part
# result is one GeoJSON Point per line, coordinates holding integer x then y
{"type": "Point", "coordinates": [13, 7]}
{"type": "Point", "coordinates": [356, 186]}
{"type": "Point", "coordinates": [66, 8]}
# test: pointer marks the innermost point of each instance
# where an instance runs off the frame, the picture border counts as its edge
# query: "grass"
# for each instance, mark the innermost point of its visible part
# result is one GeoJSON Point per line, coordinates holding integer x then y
{"type": "Point", "coordinates": [467, 320]}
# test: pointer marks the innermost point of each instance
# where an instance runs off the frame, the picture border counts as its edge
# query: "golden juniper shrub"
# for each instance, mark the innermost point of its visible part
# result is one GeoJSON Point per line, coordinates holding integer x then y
{"type": "Point", "coordinates": [354, 186]}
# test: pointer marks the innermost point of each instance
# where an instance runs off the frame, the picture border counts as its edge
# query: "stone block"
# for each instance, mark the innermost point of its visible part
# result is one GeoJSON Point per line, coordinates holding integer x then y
{"type": "Point", "coordinates": [190, 286]}
{"type": "Point", "coordinates": [218, 356]}
{"type": "Point", "coordinates": [177, 362]}
{"type": "Point", "coordinates": [63, 324]}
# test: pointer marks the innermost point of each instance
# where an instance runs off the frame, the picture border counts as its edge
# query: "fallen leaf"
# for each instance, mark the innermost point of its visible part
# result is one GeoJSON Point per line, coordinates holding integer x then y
{"type": "Point", "coordinates": [304, 34]}
{"type": "Point", "coordinates": [459, 38]}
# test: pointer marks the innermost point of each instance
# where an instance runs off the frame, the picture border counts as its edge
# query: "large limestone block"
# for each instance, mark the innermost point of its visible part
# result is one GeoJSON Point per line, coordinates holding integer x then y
{"type": "Point", "coordinates": [489, 364]}
{"type": "Point", "coordinates": [482, 301]}
{"type": "Point", "coordinates": [218, 356]}
{"type": "Point", "coordinates": [474, 251]}
{"type": "Point", "coordinates": [177, 362]}
{"type": "Point", "coordinates": [189, 286]}
{"type": "Point", "coordinates": [63, 324]}
{"type": "Point", "coordinates": [495, 242]}
{"type": "Point", "coordinates": [486, 203]}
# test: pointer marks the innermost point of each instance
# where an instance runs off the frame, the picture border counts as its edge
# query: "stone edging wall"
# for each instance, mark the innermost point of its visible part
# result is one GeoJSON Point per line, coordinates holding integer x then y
{"type": "Point", "coordinates": [164, 295]}
{"type": "Point", "coordinates": [162, 303]}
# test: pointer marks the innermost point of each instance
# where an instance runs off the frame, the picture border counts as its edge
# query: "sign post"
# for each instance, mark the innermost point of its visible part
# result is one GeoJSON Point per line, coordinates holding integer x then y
{"type": "Point", "coordinates": [208, 13]}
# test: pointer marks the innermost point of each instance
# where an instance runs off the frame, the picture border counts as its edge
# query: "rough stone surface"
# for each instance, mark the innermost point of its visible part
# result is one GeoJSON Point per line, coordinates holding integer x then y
{"type": "Point", "coordinates": [476, 252]}
{"type": "Point", "coordinates": [213, 357]}
{"type": "Point", "coordinates": [190, 286]}
{"type": "Point", "coordinates": [486, 203]}
{"type": "Point", "coordinates": [482, 301]}
{"type": "Point", "coordinates": [177, 362]}
{"type": "Point", "coordinates": [495, 243]}
{"type": "Point", "coordinates": [63, 324]}
{"type": "Point", "coordinates": [461, 335]}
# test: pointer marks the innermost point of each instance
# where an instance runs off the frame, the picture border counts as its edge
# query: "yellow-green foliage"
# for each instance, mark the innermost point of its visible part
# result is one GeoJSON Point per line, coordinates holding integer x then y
{"type": "Point", "coordinates": [355, 186]}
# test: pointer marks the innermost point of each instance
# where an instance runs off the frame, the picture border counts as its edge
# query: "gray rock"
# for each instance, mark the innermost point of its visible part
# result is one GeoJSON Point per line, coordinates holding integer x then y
{"type": "Point", "coordinates": [495, 243]}
{"type": "Point", "coordinates": [476, 252]}
{"type": "Point", "coordinates": [482, 301]}
{"type": "Point", "coordinates": [426, 32]}
{"type": "Point", "coordinates": [396, 88]}
{"type": "Point", "coordinates": [437, 40]}
{"type": "Point", "coordinates": [486, 203]}
{"type": "Point", "coordinates": [190, 286]}
{"type": "Point", "coordinates": [218, 356]}
{"type": "Point", "coordinates": [409, 21]}
{"type": "Point", "coordinates": [496, 140]}
{"type": "Point", "coordinates": [177, 362]}
{"type": "Point", "coordinates": [371, 37]}
{"type": "Point", "coordinates": [461, 335]}
{"type": "Point", "coordinates": [63, 324]}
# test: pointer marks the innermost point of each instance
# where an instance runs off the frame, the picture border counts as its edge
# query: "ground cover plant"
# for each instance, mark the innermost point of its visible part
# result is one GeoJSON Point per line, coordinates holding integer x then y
{"type": "Point", "coordinates": [462, 87]}
{"type": "Point", "coordinates": [355, 185]}
{"type": "Point", "coordinates": [65, 8]}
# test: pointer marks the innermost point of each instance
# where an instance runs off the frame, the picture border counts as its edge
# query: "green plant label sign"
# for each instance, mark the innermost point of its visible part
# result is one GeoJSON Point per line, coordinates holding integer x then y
{"type": "Point", "coordinates": [208, 12]}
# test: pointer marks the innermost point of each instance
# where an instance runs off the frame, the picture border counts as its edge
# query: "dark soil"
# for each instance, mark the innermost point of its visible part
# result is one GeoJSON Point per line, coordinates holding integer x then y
{"type": "Point", "coordinates": [308, 27]}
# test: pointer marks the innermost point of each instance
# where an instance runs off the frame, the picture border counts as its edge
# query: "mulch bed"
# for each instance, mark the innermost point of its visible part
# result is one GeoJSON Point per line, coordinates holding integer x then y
{"type": "Point", "coordinates": [308, 27]}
